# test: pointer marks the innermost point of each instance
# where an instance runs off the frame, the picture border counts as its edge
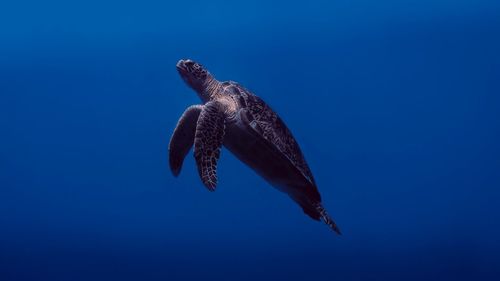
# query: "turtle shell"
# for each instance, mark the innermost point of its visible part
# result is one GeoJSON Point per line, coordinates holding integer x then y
{"type": "Point", "coordinates": [264, 121]}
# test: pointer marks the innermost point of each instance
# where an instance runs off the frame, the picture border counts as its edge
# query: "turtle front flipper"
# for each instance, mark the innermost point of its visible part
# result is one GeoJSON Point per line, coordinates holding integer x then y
{"type": "Point", "coordinates": [183, 138]}
{"type": "Point", "coordinates": [208, 141]}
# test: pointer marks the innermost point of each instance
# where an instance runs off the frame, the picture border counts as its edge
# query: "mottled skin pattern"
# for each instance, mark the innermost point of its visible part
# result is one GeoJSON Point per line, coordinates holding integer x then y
{"type": "Point", "coordinates": [208, 142]}
{"type": "Point", "coordinates": [234, 117]}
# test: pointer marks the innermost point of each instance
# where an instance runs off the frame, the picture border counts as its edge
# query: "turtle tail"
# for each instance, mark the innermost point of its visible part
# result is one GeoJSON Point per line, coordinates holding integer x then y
{"type": "Point", "coordinates": [326, 218]}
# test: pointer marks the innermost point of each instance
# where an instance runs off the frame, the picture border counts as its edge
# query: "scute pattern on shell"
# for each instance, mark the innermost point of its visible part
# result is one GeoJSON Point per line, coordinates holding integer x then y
{"type": "Point", "coordinates": [271, 127]}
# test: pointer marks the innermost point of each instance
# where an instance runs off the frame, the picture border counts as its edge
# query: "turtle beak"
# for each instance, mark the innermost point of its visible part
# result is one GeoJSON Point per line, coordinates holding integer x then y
{"type": "Point", "coordinates": [181, 65]}
{"type": "Point", "coordinates": [185, 66]}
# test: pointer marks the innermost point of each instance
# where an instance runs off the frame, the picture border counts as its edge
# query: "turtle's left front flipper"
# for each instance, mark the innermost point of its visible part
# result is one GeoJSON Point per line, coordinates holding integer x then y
{"type": "Point", "coordinates": [183, 138]}
{"type": "Point", "coordinates": [208, 141]}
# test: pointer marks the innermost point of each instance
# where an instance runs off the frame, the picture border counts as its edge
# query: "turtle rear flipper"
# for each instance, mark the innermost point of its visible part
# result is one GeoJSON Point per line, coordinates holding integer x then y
{"type": "Point", "coordinates": [316, 211]}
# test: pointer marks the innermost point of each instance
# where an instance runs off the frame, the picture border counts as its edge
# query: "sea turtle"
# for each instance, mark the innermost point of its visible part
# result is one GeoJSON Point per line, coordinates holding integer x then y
{"type": "Point", "coordinates": [234, 117]}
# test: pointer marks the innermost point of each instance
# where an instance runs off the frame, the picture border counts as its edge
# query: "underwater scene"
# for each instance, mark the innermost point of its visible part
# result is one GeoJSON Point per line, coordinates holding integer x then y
{"type": "Point", "coordinates": [394, 109]}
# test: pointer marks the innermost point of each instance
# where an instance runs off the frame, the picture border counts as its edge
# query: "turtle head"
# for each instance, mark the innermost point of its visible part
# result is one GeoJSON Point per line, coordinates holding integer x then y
{"type": "Point", "coordinates": [195, 75]}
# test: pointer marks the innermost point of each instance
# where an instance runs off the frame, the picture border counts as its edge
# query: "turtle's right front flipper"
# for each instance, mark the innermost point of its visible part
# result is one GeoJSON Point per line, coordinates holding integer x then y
{"type": "Point", "coordinates": [183, 138]}
{"type": "Point", "coordinates": [208, 141]}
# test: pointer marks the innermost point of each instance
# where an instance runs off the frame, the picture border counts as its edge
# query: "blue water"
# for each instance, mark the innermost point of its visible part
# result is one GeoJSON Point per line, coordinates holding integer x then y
{"type": "Point", "coordinates": [396, 105]}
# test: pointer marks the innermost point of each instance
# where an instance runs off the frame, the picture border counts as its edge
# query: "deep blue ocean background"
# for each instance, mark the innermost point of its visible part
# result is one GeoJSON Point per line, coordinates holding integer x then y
{"type": "Point", "coordinates": [396, 105]}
